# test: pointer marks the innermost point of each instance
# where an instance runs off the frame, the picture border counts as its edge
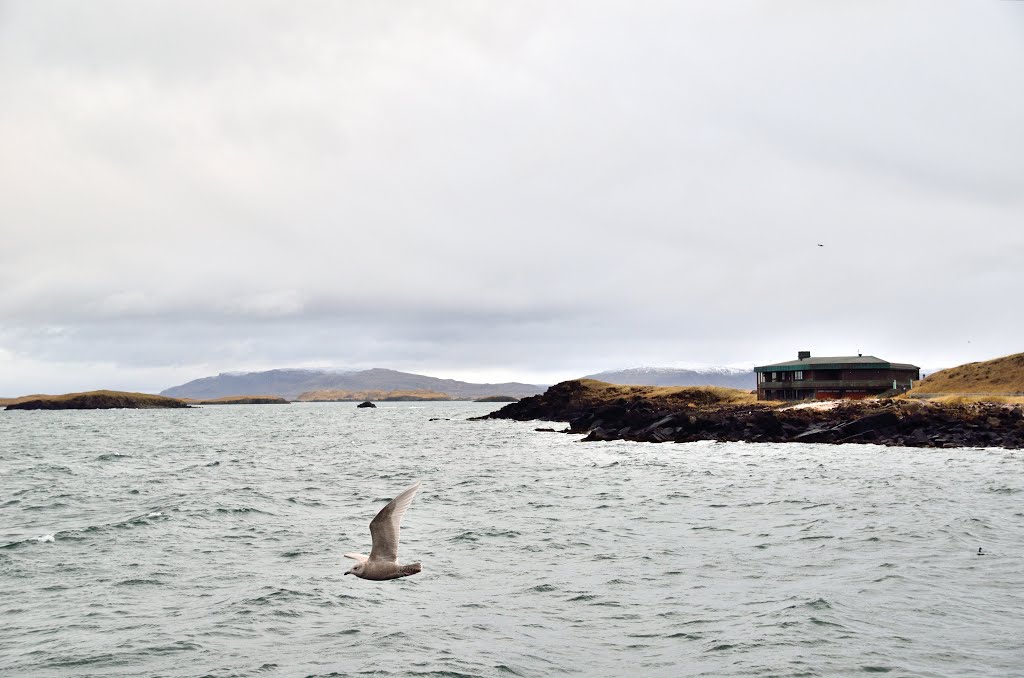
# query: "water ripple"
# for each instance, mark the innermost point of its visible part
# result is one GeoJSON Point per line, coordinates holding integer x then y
{"type": "Point", "coordinates": [209, 542]}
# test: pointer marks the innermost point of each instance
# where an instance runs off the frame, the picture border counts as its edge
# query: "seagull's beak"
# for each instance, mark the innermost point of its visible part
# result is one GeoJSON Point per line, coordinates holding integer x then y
{"type": "Point", "coordinates": [349, 572]}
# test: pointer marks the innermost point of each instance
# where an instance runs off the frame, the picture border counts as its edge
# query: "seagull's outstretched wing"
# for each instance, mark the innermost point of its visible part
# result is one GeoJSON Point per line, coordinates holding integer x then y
{"type": "Point", "coordinates": [357, 556]}
{"type": "Point", "coordinates": [384, 528]}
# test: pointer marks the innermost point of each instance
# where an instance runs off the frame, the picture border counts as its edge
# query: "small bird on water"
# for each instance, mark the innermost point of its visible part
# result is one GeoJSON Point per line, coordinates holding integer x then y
{"type": "Point", "coordinates": [382, 563]}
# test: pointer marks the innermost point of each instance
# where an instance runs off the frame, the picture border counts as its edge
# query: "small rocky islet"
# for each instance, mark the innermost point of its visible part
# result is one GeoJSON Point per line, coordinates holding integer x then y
{"type": "Point", "coordinates": [605, 412]}
{"type": "Point", "coordinates": [98, 400]}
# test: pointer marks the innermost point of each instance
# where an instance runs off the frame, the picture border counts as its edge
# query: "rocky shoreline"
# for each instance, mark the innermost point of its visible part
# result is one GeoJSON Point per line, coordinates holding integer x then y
{"type": "Point", "coordinates": [894, 422]}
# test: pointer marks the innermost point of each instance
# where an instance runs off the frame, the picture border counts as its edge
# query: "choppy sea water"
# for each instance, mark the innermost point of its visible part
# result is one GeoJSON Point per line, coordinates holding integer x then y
{"type": "Point", "coordinates": [209, 542]}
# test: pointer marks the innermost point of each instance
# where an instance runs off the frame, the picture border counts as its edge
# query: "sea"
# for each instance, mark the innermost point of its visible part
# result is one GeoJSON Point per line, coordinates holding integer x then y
{"type": "Point", "coordinates": [210, 542]}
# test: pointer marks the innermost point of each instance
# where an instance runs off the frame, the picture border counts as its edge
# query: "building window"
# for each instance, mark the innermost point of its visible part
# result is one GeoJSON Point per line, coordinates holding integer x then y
{"type": "Point", "coordinates": [798, 375]}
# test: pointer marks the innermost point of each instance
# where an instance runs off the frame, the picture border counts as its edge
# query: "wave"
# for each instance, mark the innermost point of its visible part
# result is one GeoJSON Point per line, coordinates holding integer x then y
{"type": "Point", "coordinates": [76, 534]}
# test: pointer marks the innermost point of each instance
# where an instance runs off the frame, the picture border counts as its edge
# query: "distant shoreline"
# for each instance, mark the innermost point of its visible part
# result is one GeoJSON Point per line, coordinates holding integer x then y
{"type": "Point", "coordinates": [107, 400]}
{"type": "Point", "coordinates": [102, 400]}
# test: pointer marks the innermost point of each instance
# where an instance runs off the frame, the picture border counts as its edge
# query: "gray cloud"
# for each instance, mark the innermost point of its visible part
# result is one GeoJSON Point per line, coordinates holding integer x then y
{"type": "Point", "coordinates": [524, 191]}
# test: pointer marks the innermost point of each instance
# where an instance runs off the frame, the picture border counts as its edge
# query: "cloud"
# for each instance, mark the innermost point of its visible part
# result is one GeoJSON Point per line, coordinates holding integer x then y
{"type": "Point", "coordinates": [485, 189]}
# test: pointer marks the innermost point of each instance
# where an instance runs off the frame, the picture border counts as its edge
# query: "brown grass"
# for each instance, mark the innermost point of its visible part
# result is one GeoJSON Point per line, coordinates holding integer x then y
{"type": "Point", "coordinates": [1001, 376]}
{"type": "Point", "coordinates": [22, 399]}
{"type": "Point", "coordinates": [969, 399]}
{"type": "Point", "coordinates": [670, 395]}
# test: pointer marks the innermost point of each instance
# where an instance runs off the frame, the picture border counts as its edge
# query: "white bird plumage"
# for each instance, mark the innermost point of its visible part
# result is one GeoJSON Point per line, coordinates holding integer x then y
{"type": "Point", "coordinates": [382, 563]}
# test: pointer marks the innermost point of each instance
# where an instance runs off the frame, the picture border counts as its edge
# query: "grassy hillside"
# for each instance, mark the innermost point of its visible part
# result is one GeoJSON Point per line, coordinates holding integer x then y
{"type": "Point", "coordinates": [1002, 376]}
{"type": "Point", "coordinates": [593, 393]}
{"type": "Point", "coordinates": [21, 399]}
{"type": "Point", "coordinates": [669, 395]}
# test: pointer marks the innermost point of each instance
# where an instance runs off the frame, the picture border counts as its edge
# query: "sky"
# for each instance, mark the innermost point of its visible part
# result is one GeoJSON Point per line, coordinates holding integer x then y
{"type": "Point", "coordinates": [526, 191]}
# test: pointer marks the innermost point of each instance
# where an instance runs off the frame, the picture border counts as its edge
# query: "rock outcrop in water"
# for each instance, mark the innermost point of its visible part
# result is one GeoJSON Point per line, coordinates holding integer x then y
{"type": "Point", "coordinates": [605, 414]}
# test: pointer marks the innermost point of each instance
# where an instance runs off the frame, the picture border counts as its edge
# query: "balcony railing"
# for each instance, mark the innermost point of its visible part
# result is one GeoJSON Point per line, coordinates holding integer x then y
{"type": "Point", "coordinates": [879, 384]}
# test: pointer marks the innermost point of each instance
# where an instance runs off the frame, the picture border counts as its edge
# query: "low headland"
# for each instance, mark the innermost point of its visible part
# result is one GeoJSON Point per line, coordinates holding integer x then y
{"type": "Point", "coordinates": [239, 400]}
{"type": "Point", "coordinates": [95, 400]}
{"type": "Point", "coordinates": [604, 411]}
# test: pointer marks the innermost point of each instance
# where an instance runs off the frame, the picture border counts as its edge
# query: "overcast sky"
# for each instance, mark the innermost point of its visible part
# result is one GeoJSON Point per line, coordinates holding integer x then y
{"type": "Point", "coordinates": [496, 190]}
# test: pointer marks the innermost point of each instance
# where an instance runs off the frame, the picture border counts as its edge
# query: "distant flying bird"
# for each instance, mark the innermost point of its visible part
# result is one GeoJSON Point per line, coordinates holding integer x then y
{"type": "Point", "coordinates": [820, 245]}
{"type": "Point", "coordinates": [382, 563]}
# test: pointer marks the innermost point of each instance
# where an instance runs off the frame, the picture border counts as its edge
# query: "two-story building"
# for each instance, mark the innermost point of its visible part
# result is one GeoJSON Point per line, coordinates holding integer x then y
{"type": "Point", "coordinates": [833, 377]}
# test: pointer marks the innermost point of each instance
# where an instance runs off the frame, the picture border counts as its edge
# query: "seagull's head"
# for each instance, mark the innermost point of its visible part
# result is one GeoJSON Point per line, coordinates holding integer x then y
{"type": "Point", "coordinates": [357, 569]}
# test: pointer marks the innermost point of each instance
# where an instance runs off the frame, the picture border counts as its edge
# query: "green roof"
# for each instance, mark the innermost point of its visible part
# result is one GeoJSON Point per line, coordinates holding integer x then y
{"type": "Point", "coordinates": [849, 362]}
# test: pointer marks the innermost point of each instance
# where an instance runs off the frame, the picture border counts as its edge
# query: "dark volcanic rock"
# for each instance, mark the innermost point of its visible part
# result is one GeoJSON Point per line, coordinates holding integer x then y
{"type": "Point", "coordinates": [885, 422]}
{"type": "Point", "coordinates": [366, 403]}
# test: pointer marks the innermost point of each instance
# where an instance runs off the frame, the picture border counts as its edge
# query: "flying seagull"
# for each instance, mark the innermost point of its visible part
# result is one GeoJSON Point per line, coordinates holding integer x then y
{"type": "Point", "coordinates": [382, 563]}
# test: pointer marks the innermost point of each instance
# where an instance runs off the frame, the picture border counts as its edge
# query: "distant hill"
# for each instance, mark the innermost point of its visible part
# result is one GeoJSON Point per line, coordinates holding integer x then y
{"type": "Point", "coordinates": [334, 396]}
{"type": "Point", "coordinates": [669, 376]}
{"type": "Point", "coordinates": [290, 383]}
{"type": "Point", "coordinates": [991, 377]}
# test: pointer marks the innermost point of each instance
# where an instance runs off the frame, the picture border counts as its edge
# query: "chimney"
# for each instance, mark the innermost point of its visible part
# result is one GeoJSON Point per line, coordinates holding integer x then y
{"type": "Point", "coordinates": [803, 355]}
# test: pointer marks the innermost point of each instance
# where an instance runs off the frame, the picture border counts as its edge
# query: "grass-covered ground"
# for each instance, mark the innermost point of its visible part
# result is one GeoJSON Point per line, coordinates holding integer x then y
{"type": "Point", "coordinates": [696, 396]}
{"type": "Point", "coordinates": [998, 380]}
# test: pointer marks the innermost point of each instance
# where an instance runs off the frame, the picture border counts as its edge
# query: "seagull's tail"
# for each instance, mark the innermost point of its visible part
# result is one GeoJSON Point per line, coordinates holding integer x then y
{"type": "Point", "coordinates": [407, 570]}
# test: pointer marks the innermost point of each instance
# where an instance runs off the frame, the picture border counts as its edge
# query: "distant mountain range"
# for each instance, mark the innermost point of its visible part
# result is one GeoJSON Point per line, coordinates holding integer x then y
{"type": "Point", "coordinates": [670, 376]}
{"type": "Point", "coordinates": [290, 383]}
